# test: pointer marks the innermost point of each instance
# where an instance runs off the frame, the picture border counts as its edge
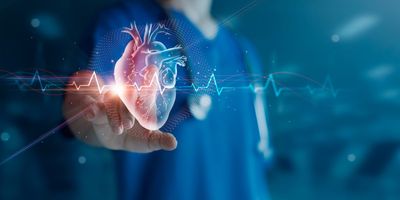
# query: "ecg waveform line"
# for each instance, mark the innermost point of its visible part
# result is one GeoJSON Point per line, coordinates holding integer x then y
{"type": "Point", "coordinates": [101, 89]}
{"type": "Point", "coordinates": [212, 79]}
{"type": "Point", "coordinates": [327, 85]}
{"type": "Point", "coordinates": [32, 80]}
{"type": "Point", "coordinates": [36, 76]}
{"type": "Point", "coordinates": [270, 82]}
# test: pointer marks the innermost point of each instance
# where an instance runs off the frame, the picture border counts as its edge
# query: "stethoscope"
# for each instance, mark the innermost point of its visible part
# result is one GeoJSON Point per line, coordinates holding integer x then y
{"type": "Point", "coordinates": [200, 106]}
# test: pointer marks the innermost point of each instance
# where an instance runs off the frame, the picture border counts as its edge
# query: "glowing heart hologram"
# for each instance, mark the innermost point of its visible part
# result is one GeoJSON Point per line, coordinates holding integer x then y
{"type": "Point", "coordinates": [147, 72]}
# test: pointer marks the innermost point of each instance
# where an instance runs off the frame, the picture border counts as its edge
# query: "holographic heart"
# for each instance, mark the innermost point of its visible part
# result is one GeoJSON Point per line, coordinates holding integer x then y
{"type": "Point", "coordinates": [147, 73]}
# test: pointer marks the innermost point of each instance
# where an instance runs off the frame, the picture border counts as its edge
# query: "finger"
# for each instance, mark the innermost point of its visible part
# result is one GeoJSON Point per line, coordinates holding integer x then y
{"type": "Point", "coordinates": [126, 117]}
{"type": "Point", "coordinates": [87, 103]}
{"type": "Point", "coordinates": [158, 140]}
{"type": "Point", "coordinates": [141, 140]}
{"type": "Point", "coordinates": [99, 116]}
{"type": "Point", "coordinates": [111, 106]}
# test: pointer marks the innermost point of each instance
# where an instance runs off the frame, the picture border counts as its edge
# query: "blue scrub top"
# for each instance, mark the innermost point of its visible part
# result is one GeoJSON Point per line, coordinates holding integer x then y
{"type": "Point", "coordinates": [216, 158]}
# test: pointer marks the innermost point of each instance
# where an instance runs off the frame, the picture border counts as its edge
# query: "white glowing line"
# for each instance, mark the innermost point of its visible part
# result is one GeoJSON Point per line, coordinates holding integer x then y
{"type": "Point", "coordinates": [101, 89]}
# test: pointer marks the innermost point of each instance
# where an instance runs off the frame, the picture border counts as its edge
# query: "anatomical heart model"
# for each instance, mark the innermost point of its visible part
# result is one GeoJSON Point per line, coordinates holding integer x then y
{"type": "Point", "coordinates": [147, 72]}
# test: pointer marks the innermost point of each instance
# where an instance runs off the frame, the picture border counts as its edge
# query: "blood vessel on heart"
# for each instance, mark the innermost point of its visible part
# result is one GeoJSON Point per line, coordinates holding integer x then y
{"type": "Point", "coordinates": [147, 73]}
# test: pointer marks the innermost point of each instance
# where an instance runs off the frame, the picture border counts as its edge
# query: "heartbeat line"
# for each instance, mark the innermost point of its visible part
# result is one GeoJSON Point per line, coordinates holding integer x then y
{"type": "Point", "coordinates": [326, 86]}
{"type": "Point", "coordinates": [101, 89]}
{"type": "Point", "coordinates": [212, 82]}
{"type": "Point", "coordinates": [36, 78]}
{"type": "Point", "coordinates": [270, 82]}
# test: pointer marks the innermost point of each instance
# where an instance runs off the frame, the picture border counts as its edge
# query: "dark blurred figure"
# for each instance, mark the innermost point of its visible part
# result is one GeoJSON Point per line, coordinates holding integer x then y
{"type": "Point", "coordinates": [217, 156]}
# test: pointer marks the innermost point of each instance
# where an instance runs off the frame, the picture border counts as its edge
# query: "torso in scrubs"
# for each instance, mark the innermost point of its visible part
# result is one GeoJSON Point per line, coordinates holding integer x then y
{"type": "Point", "coordinates": [216, 157]}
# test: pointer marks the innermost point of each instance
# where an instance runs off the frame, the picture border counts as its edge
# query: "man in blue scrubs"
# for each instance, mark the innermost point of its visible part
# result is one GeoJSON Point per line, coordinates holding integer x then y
{"type": "Point", "coordinates": [217, 156]}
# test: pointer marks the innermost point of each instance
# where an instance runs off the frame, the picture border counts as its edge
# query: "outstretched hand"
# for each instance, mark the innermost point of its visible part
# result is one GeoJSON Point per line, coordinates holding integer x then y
{"type": "Point", "coordinates": [107, 122]}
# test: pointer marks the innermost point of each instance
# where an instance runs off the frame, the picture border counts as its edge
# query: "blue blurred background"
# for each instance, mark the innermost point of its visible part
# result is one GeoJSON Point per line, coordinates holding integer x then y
{"type": "Point", "coordinates": [326, 146]}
